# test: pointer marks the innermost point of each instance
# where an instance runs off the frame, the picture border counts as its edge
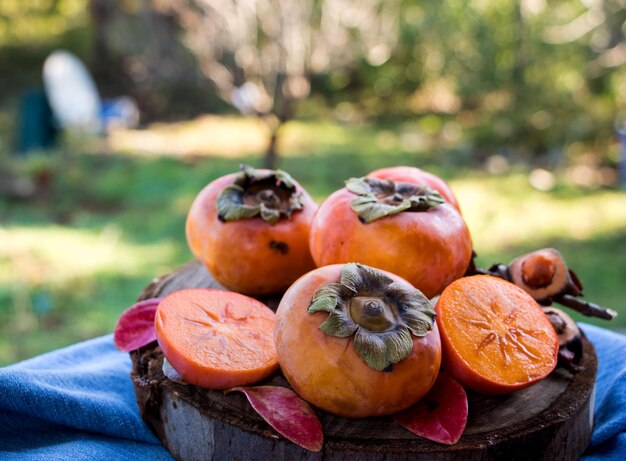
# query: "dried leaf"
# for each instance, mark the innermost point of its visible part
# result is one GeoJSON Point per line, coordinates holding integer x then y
{"type": "Point", "coordinates": [441, 416]}
{"type": "Point", "coordinates": [287, 413]}
{"type": "Point", "coordinates": [135, 327]}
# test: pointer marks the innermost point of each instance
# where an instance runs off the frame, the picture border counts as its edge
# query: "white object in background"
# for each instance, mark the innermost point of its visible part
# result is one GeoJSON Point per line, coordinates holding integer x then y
{"type": "Point", "coordinates": [72, 93]}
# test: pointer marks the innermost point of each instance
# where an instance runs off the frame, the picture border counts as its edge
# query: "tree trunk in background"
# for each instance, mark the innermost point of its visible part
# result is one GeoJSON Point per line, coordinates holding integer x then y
{"type": "Point", "coordinates": [271, 153]}
{"type": "Point", "coordinates": [101, 65]}
{"type": "Point", "coordinates": [284, 111]}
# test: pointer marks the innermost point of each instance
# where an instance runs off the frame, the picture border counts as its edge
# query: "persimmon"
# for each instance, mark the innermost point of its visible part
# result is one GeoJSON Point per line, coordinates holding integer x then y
{"type": "Point", "coordinates": [216, 339]}
{"type": "Point", "coordinates": [417, 176]}
{"type": "Point", "coordinates": [251, 230]}
{"type": "Point", "coordinates": [400, 227]}
{"type": "Point", "coordinates": [496, 339]}
{"type": "Point", "coordinates": [357, 341]}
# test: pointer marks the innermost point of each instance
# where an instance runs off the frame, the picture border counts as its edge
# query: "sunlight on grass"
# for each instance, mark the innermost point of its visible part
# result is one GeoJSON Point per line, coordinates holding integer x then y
{"type": "Point", "coordinates": [503, 212]}
{"type": "Point", "coordinates": [207, 135]}
{"type": "Point", "coordinates": [60, 285]}
{"type": "Point", "coordinates": [236, 137]}
{"type": "Point", "coordinates": [56, 255]}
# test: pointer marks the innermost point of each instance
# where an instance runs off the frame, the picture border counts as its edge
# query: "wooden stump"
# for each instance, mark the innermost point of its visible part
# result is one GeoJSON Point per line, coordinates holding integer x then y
{"type": "Point", "coordinates": [551, 420]}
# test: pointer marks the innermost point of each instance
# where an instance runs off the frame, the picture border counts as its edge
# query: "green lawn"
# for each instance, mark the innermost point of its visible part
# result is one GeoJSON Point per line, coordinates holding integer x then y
{"type": "Point", "coordinates": [73, 259]}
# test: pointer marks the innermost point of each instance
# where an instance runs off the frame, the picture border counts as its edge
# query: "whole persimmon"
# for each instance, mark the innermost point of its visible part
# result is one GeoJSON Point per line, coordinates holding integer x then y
{"type": "Point", "coordinates": [357, 341]}
{"type": "Point", "coordinates": [251, 230]}
{"type": "Point", "coordinates": [417, 176]}
{"type": "Point", "coordinates": [404, 228]}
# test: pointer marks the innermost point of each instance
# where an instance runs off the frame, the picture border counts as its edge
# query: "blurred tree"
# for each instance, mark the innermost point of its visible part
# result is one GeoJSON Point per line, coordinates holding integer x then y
{"type": "Point", "coordinates": [523, 78]}
{"type": "Point", "coordinates": [533, 80]}
{"type": "Point", "coordinates": [136, 51]}
{"type": "Point", "coordinates": [261, 54]}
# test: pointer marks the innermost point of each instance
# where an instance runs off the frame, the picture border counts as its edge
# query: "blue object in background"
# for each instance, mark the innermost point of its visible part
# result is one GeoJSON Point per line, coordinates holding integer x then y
{"type": "Point", "coordinates": [78, 404]}
{"type": "Point", "coordinates": [119, 113]}
{"type": "Point", "coordinates": [36, 130]}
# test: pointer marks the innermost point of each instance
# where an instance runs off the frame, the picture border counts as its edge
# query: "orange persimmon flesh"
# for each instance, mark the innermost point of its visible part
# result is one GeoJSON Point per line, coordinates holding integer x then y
{"type": "Point", "coordinates": [495, 337]}
{"type": "Point", "coordinates": [216, 339]}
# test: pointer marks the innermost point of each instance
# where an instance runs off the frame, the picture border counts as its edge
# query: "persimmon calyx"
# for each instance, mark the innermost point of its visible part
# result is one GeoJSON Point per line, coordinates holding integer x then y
{"type": "Point", "coordinates": [378, 198]}
{"type": "Point", "coordinates": [380, 314]}
{"type": "Point", "coordinates": [271, 195]}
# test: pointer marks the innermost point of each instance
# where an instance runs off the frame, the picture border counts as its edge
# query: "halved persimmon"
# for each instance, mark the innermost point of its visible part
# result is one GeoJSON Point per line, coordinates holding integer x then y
{"type": "Point", "coordinates": [357, 341]}
{"type": "Point", "coordinates": [495, 337]}
{"type": "Point", "coordinates": [216, 339]}
{"type": "Point", "coordinates": [251, 230]}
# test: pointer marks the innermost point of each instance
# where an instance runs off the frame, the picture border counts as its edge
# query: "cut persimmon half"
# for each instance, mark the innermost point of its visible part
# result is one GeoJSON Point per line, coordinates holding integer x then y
{"type": "Point", "coordinates": [495, 337]}
{"type": "Point", "coordinates": [216, 339]}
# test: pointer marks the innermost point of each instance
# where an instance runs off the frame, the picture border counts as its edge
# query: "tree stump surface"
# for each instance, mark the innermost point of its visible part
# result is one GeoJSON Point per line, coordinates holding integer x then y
{"type": "Point", "coordinates": [551, 420]}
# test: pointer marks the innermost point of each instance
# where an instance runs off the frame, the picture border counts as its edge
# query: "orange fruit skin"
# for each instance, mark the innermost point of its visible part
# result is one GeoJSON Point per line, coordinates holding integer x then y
{"type": "Point", "coordinates": [485, 372]}
{"type": "Point", "coordinates": [416, 175]}
{"type": "Point", "coordinates": [218, 356]}
{"type": "Point", "coordinates": [430, 248]}
{"type": "Point", "coordinates": [327, 372]}
{"type": "Point", "coordinates": [250, 256]}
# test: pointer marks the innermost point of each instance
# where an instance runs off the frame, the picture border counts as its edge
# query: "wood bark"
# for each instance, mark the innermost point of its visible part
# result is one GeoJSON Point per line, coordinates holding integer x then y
{"type": "Point", "coordinates": [551, 420]}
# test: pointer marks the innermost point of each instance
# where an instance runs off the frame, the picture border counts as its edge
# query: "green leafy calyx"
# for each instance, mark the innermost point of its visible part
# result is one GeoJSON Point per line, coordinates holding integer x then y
{"type": "Point", "coordinates": [378, 198]}
{"type": "Point", "coordinates": [270, 194]}
{"type": "Point", "coordinates": [380, 315]}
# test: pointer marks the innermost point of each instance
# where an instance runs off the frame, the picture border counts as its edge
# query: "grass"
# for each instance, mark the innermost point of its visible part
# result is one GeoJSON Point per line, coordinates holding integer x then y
{"type": "Point", "coordinates": [73, 258]}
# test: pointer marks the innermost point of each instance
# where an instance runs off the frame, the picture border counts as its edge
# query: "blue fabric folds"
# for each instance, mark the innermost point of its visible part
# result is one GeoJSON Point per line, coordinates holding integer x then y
{"type": "Point", "coordinates": [78, 404]}
{"type": "Point", "coordinates": [74, 404]}
{"type": "Point", "coordinates": [609, 432]}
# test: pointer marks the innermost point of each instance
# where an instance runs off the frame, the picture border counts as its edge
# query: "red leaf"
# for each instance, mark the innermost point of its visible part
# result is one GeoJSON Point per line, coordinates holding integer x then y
{"type": "Point", "coordinates": [286, 412]}
{"type": "Point", "coordinates": [135, 327]}
{"type": "Point", "coordinates": [441, 415]}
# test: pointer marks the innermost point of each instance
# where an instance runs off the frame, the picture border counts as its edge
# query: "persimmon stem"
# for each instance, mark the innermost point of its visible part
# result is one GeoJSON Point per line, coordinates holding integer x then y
{"type": "Point", "coordinates": [372, 313]}
{"type": "Point", "coordinates": [586, 307]}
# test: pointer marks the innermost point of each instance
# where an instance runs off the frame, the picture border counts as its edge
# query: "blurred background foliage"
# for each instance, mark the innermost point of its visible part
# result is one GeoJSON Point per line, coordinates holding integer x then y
{"type": "Point", "coordinates": [513, 102]}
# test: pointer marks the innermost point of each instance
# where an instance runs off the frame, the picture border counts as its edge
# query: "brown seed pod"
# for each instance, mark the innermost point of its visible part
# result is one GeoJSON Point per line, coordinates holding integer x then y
{"type": "Point", "coordinates": [544, 275]}
{"type": "Point", "coordinates": [570, 338]}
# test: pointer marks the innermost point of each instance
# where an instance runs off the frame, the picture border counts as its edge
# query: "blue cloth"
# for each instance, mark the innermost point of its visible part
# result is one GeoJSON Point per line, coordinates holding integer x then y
{"type": "Point", "coordinates": [74, 404]}
{"type": "Point", "coordinates": [78, 404]}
